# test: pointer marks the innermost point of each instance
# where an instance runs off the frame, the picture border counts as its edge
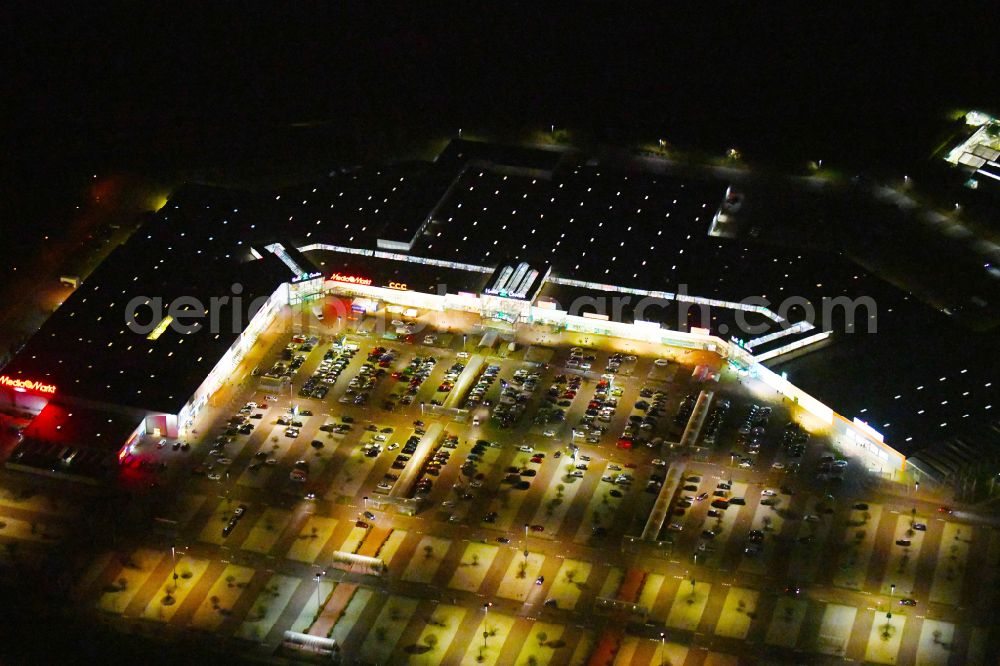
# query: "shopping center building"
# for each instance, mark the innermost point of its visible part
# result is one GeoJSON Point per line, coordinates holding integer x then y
{"type": "Point", "coordinates": [516, 236]}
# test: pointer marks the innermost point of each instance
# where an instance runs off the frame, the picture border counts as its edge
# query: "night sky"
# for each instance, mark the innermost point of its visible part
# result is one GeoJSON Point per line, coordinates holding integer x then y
{"type": "Point", "coordinates": [780, 84]}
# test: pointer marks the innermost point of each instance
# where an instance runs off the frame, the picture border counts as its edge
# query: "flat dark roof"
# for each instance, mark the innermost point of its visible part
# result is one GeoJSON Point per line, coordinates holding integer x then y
{"type": "Point", "coordinates": [185, 251]}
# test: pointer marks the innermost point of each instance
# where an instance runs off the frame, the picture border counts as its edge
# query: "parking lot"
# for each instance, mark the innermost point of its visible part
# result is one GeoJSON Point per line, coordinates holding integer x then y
{"type": "Point", "coordinates": [532, 501]}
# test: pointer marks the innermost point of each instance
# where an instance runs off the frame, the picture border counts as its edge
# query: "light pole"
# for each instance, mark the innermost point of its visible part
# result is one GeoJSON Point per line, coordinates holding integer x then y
{"type": "Point", "coordinates": [486, 629]}
{"type": "Point", "coordinates": [663, 646]}
{"type": "Point", "coordinates": [526, 544]}
{"type": "Point", "coordinates": [173, 568]}
{"type": "Point", "coordinates": [318, 577]}
{"type": "Point", "coordinates": [892, 592]}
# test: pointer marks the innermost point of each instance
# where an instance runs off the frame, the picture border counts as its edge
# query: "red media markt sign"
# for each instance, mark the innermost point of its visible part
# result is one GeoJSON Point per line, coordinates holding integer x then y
{"type": "Point", "coordinates": [351, 279]}
{"type": "Point", "coordinates": [26, 385]}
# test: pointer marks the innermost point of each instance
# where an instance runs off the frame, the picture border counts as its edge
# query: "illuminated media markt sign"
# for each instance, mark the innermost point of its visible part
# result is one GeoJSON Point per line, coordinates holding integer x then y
{"type": "Point", "coordinates": [27, 385]}
{"type": "Point", "coordinates": [351, 279]}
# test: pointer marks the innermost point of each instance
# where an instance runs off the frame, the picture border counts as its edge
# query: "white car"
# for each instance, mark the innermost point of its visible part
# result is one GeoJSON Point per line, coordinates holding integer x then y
{"type": "Point", "coordinates": [393, 446]}
{"type": "Point", "coordinates": [659, 463]}
{"type": "Point", "coordinates": [767, 492]}
{"type": "Point", "coordinates": [462, 354]}
{"type": "Point", "coordinates": [214, 477]}
{"type": "Point", "coordinates": [549, 433]}
{"type": "Point", "coordinates": [675, 527]}
{"type": "Point", "coordinates": [778, 465]}
{"type": "Point", "coordinates": [614, 467]}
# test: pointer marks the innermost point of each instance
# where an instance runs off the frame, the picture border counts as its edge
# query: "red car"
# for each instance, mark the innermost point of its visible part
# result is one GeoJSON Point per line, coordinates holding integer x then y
{"type": "Point", "coordinates": [537, 528]}
{"type": "Point", "coordinates": [945, 509]}
{"type": "Point", "coordinates": [628, 465]}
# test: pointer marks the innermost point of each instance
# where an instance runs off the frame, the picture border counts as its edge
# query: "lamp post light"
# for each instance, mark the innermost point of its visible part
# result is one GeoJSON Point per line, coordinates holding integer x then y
{"type": "Point", "coordinates": [318, 577]}
{"type": "Point", "coordinates": [892, 592]}
{"type": "Point", "coordinates": [174, 577]}
{"type": "Point", "coordinates": [663, 646]}
{"type": "Point", "coordinates": [486, 629]}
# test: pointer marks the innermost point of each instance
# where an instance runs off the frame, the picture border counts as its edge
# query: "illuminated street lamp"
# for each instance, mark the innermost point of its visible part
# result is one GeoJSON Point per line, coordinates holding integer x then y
{"type": "Point", "coordinates": [486, 629]}
{"type": "Point", "coordinates": [318, 577]}
{"type": "Point", "coordinates": [173, 567]}
{"type": "Point", "coordinates": [663, 646]}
